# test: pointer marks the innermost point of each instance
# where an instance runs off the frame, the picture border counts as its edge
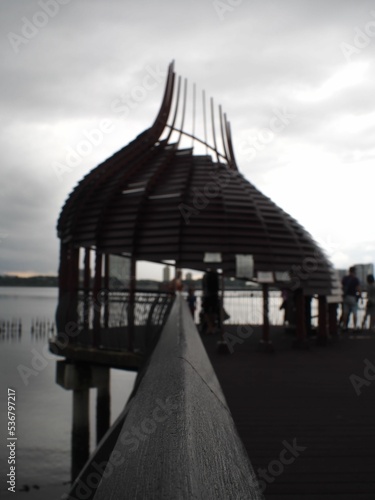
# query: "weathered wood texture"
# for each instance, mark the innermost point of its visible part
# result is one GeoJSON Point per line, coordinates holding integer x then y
{"type": "Point", "coordinates": [178, 440]}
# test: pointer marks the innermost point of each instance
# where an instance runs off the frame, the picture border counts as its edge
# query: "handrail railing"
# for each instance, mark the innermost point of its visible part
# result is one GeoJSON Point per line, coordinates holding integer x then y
{"type": "Point", "coordinates": [150, 310]}
{"type": "Point", "coordinates": [176, 438]}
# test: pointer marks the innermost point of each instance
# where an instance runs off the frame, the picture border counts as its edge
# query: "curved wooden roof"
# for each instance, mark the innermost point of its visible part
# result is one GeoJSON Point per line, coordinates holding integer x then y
{"type": "Point", "coordinates": [159, 201]}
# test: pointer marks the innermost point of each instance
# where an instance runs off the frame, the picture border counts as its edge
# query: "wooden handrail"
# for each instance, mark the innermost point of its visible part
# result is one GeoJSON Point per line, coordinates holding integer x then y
{"type": "Point", "coordinates": [176, 438]}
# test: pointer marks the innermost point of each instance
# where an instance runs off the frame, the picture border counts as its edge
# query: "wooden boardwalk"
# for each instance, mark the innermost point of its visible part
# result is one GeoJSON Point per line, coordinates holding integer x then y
{"type": "Point", "coordinates": [303, 403]}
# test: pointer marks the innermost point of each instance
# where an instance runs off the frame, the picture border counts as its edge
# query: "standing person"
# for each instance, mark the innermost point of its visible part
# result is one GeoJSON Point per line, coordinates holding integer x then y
{"type": "Point", "coordinates": [284, 304]}
{"type": "Point", "coordinates": [191, 300]}
{"type": "Point", "coordinates": [370, 305]}
{"type": "Point", "coordinates": [352, 293]}
{"type": "Point", "coordinates": [176, 284]}
{"type": "Point", "coordinates": [211, 302]}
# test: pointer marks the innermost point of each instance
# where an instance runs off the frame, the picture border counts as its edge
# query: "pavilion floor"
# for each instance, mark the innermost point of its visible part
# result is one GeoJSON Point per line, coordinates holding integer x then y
{"type": "Point", "coordinates": [306, 398]}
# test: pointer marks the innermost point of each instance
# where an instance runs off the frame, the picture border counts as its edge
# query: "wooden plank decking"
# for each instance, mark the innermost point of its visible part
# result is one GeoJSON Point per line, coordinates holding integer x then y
{"type": "Point", "coordinates": [303, 398]}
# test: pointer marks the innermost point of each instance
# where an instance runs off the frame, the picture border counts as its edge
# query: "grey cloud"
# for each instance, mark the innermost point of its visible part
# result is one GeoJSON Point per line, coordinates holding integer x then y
{"type": "Point", "coordinates": [260, 56]}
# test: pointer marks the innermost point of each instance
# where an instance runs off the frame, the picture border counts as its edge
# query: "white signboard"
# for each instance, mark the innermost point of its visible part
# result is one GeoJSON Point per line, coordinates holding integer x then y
{"type": "Point", "coordinates": [265, 277]}
{"type": "Point", "coordinates": [282, 276]}
{"type": "Point", "coordinates": [212, 257]}
{"type": "Point", "coordinates": [244, 266]}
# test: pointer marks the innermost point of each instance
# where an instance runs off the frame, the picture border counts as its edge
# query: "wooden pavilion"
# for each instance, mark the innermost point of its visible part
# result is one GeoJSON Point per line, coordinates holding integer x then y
{"type": "Point", "coordinates": [160, 199]}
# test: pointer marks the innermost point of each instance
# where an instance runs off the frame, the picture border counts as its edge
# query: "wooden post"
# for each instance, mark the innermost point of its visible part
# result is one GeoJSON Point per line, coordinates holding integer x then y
{"type": "Point", "coordinates": [301, 341]}
{"type": "Point", "coordinates": [266, 343]}
{"type": "Point", "coordinates": [96, 302]}
{"type": "Point", "coordinates": [332, 319]}
{"type": "Point", "coordinates": [68, 286]}
{"type": "Point", "coordinates": [63, 301]}
{"type": "Point", "coordinates": [80, 430]}
{"type": "Point", "coordinates": [322, 320]}
{"type": "Point", "coordinates": [86, 291]}
{"type": "Point", "coordinates": [106, 291]}
{"type": "Point", "coordinates": [308, 300]}
{"type": "Point", "coordinates": [266, 321]}
{"type": "Point", "coordinates": [103, 404]}
{"type": "Point", "coordinates": [73, 277]}
{"type": "Point", "coordinates": [132, 285]}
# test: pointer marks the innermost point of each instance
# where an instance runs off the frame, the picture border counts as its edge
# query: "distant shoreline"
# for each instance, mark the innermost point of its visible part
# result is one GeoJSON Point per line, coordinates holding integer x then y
{"type": "Point", "coordinates": [33, 281]}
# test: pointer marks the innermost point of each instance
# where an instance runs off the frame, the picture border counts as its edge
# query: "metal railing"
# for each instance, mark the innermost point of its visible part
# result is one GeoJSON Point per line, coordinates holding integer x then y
{"type": "Point", "coordinates": [150, 310]}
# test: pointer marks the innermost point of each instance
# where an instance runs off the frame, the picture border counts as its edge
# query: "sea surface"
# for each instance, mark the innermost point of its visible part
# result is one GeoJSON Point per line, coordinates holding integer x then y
{"type": "Point", "coordinates": [43, 409]}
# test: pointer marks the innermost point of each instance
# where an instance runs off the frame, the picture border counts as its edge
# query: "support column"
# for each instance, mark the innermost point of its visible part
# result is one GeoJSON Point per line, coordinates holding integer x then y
{"type": "Point", "coordinates": [86, 290]}
{"type": "Point", "coordinates": [332, 319]}
{"type": "Point", "coordinates": [266, 342]}
{"type": "Point", "coordinates": [106, 290]}
{"type": "Point", "coordinates": [80, 377]}
{"type": "Point", "coordinates": [266, 321]}
{"type": "Point", "coordinates": [74, 283]}
{"type": "Point", "coordinates": [96, 302]}
{"type": "Point", "coordinates": [301, 341]}
{"type": "Point", "coordinates": [103, 404]}
{"type": "Point", "coordinates": [222, 345]}
{"type": "Point", "coordinates": [132, 285]}
{"type": "Point", "coordinates": [322, 321]}
{"type": "Point", "coordinates": [308, 300]}
{"type": "Point", "coordinates": [80, 430]}
{"type": "Point", "coordinates": [63, 301]}
{"type": "Point", "coordinates": [68, 287]}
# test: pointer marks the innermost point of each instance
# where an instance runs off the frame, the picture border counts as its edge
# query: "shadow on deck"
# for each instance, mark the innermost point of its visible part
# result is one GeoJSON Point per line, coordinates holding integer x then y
{"type": "Point", "coordinates": [306, 399]}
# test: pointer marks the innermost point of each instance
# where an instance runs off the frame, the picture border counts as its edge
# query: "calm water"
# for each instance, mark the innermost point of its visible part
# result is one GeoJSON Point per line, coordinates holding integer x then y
{"type": "Point", "coordinates": [43, 409]}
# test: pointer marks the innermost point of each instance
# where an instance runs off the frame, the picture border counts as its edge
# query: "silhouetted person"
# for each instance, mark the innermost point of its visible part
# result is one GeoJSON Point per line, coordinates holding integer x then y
{"type": "Point", "coordinates": [176, 284]}
{"type": "Point", "coordinates": [352, 293]}
{"type": "Point", "coordinates": [191, 300]}
{"type": "Point", "coordinates": [370, 305]}
{"type": "Point", "coordinates": [211, 303]}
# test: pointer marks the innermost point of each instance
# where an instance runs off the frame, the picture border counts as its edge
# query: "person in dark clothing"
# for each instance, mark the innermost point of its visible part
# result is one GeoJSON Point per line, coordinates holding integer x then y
{"type": "Point", "coordinates": [352, 293]}
{"type": "Point", "coordinates": [191, 300]}
{"type": "Point", "coordinates": [370, 306]}
{"type": "Point", "coordinates": [211, 303]}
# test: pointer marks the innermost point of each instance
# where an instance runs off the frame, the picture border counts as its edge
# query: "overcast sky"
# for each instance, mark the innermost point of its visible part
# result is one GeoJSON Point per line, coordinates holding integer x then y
{"type": "Point", "coordinates": [69, 65]}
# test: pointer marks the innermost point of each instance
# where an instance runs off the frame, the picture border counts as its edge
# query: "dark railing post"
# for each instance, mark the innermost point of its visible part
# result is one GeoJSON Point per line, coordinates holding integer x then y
{"type": "Point", "coordinates": [86, 290]}
{"type": "Point", "coordinates": [332, 318]}
{"type": "Point", "coordinates": [266, 343]}
{"type": "Point", "coordinates": [131, 303]}
{"type": "Point", "coordinates": [322, 320]}
{"type": "Point", "coordinates": [103, 404]}
{"type": "Point", "coordinates": [63, 302]}
{"type": "Point", "coordinates": [96, 302]}
{"type": "Point", "coordinates": [266, 321]}
{"type": "Point", "coordinates": [106, 290]}
{"type": "Point", "coordinates": [301, 340]}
